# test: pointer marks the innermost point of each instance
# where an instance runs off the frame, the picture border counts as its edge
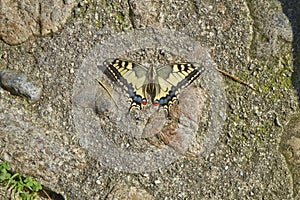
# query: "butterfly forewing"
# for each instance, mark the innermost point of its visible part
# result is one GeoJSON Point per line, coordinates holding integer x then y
{"type": "Point", "coordinates": [179, 75]}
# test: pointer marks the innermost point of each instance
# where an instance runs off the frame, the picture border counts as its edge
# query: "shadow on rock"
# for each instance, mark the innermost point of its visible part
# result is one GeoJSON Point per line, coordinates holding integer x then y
{"type": "Point", "coordinates": [291, 8]}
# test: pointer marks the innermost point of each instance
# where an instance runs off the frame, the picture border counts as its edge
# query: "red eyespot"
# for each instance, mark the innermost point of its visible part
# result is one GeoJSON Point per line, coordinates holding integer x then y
{"type": "Point", "coordinates": [156, 103]}
{"type": "Point", "coordinates": [144, 102]}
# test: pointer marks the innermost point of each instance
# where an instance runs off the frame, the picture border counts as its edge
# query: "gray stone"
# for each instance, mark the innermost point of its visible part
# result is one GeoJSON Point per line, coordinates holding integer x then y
{"type": "Point", "coordinates": [17, 83]}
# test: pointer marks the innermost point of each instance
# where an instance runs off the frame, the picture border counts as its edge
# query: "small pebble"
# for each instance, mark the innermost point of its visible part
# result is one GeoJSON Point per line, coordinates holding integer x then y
{"type": "Point", "coordinates": [80, 4]}
{"type": "Point", "coordinates": [17, 83]}
{"type": "Point", "coordinates": [98, 182]}
{"type": "Point", "coordinates": [251, 67]}
{"type": "Point", "coordinates": [277, 122]}
{"type": "Point", "coordinates": [71, 70]}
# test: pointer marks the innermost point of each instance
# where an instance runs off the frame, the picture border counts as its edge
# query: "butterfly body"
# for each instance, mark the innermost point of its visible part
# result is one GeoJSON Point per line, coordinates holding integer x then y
{"type": "Point", "coordinates": [159, 86]}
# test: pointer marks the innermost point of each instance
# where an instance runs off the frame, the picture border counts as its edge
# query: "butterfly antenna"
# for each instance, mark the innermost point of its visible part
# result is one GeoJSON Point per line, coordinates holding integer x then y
{"type": "Point", "coordinates": [236, 79]}
{"type": "Point", "coordinates": [106, 89]}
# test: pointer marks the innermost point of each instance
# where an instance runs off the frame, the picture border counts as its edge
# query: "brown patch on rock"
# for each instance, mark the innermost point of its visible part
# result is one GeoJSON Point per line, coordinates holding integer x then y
{"type": "Point", "coordinates": [22, 19]}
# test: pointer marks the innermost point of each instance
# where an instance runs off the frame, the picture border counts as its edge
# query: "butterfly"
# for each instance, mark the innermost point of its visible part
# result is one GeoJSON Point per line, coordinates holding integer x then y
{"type": "Point", "coordinates": [158, 86]}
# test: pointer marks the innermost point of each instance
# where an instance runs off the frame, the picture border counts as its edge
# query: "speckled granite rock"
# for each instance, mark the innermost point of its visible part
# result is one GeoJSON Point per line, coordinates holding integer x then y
{"type": "Point", "coordinates": [17, 84]}
{"type": "Point", "coordinates": [21, 19]}
{"type": "Point", "coordinates": [248, 39]}
{"type": "Point", "coordinates": [290, 147]}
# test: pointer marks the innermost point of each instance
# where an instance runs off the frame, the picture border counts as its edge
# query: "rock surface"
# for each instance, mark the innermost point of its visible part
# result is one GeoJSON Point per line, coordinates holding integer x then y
{"type": "Point", "coordinates": [252, 40]}
{"type": "Point", "coordinates": [22, 19]}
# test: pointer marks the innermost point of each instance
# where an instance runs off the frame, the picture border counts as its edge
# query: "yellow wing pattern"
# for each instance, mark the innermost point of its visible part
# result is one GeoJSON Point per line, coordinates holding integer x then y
{"type": "Point", "coordinates": [162, 85]}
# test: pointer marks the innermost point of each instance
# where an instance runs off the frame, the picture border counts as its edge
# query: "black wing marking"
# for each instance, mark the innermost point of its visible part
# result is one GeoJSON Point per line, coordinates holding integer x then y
{"type": "Point", "coordinates": [131, 76]}
{"type": "Point", "coordinates": [174, 77]}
